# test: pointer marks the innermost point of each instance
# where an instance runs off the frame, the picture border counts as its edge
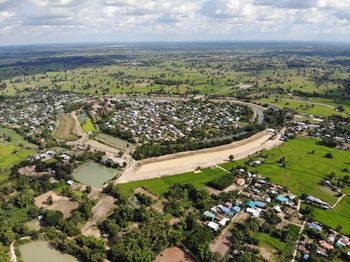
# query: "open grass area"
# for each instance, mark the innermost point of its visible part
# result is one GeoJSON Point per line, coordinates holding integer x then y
{"type": "Point", "coordinates": [305, 107]}
{"type": "Point", "coordinates": [159, 186]}
{"type": "Point", "coordinates": [64, 130]}
{"type": "Point", "coordinates": [88, 126]}
{"type": "Point", "coordinates": [114, 141]}
{"type": "Point", "coordinates": [339, 215]}
{"type": "Point", "coordinates": [13, 151]}
{"type": "Point", "coordinates": [275, 243]}
{"type": "Point", "coordinates": [16, 139]}
{"type": "Point", "coordinates": [304, 170]}
{"type": "Point", "coordinates": [11, 155]}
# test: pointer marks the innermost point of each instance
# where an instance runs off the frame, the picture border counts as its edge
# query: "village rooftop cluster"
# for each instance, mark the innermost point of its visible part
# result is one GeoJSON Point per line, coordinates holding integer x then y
{"type": "Point", "coordinates": [163, 120]}
{"type": "Point", "coordinates": [34, 113]}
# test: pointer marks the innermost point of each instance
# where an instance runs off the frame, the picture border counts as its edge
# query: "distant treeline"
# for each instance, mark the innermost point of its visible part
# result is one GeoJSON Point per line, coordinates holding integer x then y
{"type": "Point", "coordinates": [48, 64]}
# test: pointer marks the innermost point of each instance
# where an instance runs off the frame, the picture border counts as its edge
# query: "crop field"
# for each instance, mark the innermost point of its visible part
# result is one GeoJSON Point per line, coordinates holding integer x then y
{"type": "Point", "coordinates": [64, 130]}
{"type": "Point", "coordinates": [159, 186]}
{"type": "Point", "coordinates": [11, 155]}
{"type": "Point", "coordinates": [14, 151]}
{"type": "Point", "coordinates": [16, 139]}
{"type": "Point", "coordinates": [304, 107]}
{"type": "Point", "coordinates": [339, 215]}
{"type": "Point", "coordinates": [304, 170]}
{"type": "Point", "coordinates": [88, 126]}
{"type": "Point", "coordinates": [114, 141]}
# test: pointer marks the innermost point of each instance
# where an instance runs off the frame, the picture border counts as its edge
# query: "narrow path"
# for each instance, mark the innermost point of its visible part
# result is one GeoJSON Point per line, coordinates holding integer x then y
{"type": "Point", "coordinates": [339, 199]}
{"type": "Point", "coordinates": [297, 242]}
{"type": "Point", "coordinates": [13, 257]}
{"type": "Point", "coordinates": [103, 207]}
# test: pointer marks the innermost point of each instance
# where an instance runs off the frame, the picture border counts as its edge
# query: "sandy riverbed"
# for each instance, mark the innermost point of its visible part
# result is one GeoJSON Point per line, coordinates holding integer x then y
{"type": "Point", "coordinates": [186, 163]}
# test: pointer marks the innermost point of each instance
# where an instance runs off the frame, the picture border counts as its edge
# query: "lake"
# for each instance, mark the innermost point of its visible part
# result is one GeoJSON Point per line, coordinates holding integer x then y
{"type": "Point", "coordinates": [35, 251]}
{"type": "Point", "coordinates": [94, 175]}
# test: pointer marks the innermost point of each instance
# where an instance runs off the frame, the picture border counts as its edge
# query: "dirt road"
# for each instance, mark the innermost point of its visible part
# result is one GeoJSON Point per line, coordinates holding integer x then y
{"type": "Point", "coordinates": [104, 206]}
{"type": "Point", "coordinates": [186, 162]}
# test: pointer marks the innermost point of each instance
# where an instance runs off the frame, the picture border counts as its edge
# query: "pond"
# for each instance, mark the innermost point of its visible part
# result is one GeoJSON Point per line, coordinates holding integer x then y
{"type": "Point", "coordinates": [94, 175]}
{"type": "Point", "coordinates": [41, 250]}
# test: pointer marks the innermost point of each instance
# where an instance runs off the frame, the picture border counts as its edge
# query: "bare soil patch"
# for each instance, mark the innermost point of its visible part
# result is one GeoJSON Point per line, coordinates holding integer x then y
{"type": "Point", "coordinates": [30, 171]}
{"type": "Point", "coordinates": [99, 212]}
{"type": "Point", "coordinates": [142, 190]}
{"type": "Point", "coordinates": [173, 254]}
{"type": "Point", "coordinates": [60, 203]}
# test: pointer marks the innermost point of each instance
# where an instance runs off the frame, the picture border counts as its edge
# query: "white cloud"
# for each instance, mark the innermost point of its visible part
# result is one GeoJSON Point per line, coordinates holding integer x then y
{"type": "Point", "coordinates": [123, 20]}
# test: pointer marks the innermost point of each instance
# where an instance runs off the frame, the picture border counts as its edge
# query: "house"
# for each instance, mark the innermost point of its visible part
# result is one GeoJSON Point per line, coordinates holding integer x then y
{"type": "Point", "coordinates": [213, 226]}
{"type": "Point", "coordinates": [277, 209]}
{"type": "Point", "coordinates": [254, 212]}
{"type": "Point", "coordinates": [256, 163]}
{"type": "Point", "coordinates": [251, 204]}
{"type": "Point", "coordinates": [70, 182]}
{"type": "Point", "coordinates": [223, 221]}
{"type": "Point", "coordinates": [282, 199]}
{"type": "Point", "coordinates": [237, 209]}
{"type": "Point", "coordinates": [209, 215]}
{"type": "Point", "coordinates": [330, 238]}
{"type": "Point", "coordinates": [343, 242]}
{"type": "Point", "coordinates": [326, 245]}
{"type": "Point", "coordinates": [260, 204]}
{"type": "Point", "coordinates": [65, 157]}
{"type": "Point", "coordinates": [315, 226]}
{"type": "Point", "coordinates": [228, 204]}
{"type": "Point", "coordinates": [225, 210]}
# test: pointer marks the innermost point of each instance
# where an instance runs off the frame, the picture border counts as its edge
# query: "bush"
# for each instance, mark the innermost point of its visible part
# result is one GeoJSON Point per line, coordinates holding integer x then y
{"type": "Point", "coordinates": [221, 182]}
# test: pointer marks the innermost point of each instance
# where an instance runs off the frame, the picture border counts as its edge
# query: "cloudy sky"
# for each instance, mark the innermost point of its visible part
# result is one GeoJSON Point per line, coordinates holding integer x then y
{"type": "Point", "coordinates": [66, 21]}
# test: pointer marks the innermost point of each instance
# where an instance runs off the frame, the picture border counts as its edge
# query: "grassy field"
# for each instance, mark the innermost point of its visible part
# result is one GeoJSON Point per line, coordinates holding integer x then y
{"type": "Point", "coordinates": [88, 126]}
{"type": "Point", "coordinates": [14, 151]}
{"type": "Point", "coordinates": [310, 108]}
{"type": "Point", "coordinates": [64, 130]}
{"type": "Point", "coordinates": [339, 215]}
{"type": "Point", "coordinates": [303, 170]}
{"type": "Point", "coordinates": [275, 243]}
{"type": "Point", "coordinates": [114, 141]}
{"type": "Point", "coordinates": [159, 186]}
{"type": "Point", "coordinates": [16, 139]}
{"type": "Point", "coordinates": [11, 155]}
{"type": "Point", "coordinates": [284, 248]}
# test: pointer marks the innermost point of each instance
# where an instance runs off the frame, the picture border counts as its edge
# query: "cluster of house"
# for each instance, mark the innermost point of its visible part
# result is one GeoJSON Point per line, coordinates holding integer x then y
{"type": "Point", "coordinates": [263, 195]}
{"type": "Point", "coordinates": [34, 113]}
{"type": "Point", "coordinates": [47, 155]}
{"type": "Point", "coordinates": [335, 129]}
{"type": "Point", "coordinates": [164, 120]}
{"type": "Point", "coordinates": [331, 241]}
{"type": "Point", "coordinates": [318, 201]}
{"type": "Point", "coordinates": [220, 215]}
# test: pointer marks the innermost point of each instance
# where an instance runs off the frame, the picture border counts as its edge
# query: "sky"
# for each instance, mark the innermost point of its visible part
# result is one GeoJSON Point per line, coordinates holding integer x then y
{"type": "Point", "coordinates": [76, 21]}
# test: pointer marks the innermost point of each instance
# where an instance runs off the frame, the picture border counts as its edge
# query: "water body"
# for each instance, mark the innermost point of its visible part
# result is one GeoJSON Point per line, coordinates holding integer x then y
{"type": "Point", "coordinates": [35, 251]}
{"type": "Point", "coordinates": [94, 175]}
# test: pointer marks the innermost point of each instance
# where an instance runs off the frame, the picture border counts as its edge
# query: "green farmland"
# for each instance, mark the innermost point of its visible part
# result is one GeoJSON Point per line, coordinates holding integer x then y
{"type": "Point", "coordinates": [304, 170]}
{"type": "Point", "coordinates": [88, 126]}
{"type": "Point", "coordinates": [304, 107]}
{"type": "Point", "coordinates": [159, 186]}
{"type": "Point", "coordinates": [339, 215]}
{"type": "Point", "coordinates": [14, 151]}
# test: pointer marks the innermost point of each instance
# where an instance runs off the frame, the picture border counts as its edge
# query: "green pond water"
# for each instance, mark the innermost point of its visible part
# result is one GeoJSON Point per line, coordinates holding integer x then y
{"type": "Point", "coordinates": [94, 175]}
{"type": "Point", "coordinates": [36, 251]}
